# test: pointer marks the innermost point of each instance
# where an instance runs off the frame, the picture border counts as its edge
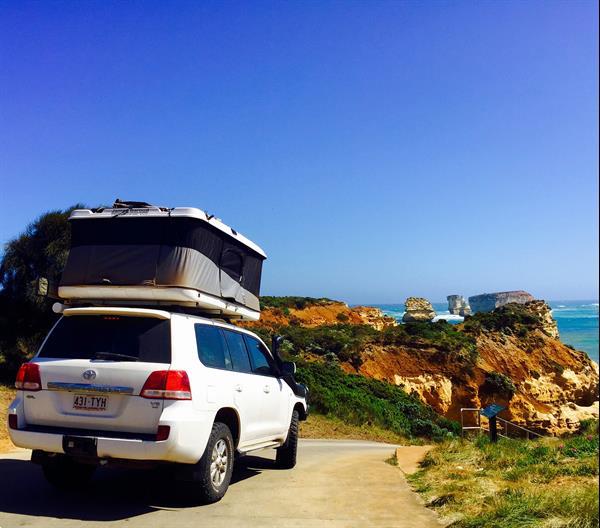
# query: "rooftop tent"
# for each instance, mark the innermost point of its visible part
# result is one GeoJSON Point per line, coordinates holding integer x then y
{"type": "Point", "coordinates": [171, 256]}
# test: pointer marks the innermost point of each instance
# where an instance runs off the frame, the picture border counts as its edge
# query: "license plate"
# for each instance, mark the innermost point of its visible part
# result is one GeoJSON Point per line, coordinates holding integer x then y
{"type": "Point", "coordinates": [86, 402]}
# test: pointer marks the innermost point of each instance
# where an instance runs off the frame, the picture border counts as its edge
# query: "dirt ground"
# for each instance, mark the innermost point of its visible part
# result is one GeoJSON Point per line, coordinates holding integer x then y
{"type": "Point", "coordinates": [6, 396]}
{"type": "Point", "coordinates": [319, 426]}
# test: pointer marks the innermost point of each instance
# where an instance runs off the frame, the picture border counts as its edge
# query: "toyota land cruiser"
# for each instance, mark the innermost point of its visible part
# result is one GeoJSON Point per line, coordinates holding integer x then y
{"type": "Point", "coordinates": [143, 386]}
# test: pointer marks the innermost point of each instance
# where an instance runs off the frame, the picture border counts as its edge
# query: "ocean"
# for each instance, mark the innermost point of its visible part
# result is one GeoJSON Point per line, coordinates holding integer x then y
{"type": "Point", "coordinates": [577, 321]}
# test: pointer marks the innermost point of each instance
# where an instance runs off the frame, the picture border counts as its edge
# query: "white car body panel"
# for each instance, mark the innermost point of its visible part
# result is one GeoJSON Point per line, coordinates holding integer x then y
{"type": "Point", "coordinates": [263, 403]}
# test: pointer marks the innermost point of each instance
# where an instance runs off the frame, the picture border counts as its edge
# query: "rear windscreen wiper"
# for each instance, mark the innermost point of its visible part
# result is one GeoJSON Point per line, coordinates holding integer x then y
{"type": "Point", "coordinates": [113, 355]}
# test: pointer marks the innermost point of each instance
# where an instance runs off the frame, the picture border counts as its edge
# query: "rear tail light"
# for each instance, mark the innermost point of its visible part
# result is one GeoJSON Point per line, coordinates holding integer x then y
{"type": "Point", "coordinates": [167, 385]}
{"type": "Point", "coordinates": [28, 377]}
{"type": "Point", "coordinates": [13, 421]}
{"type": "Point", "coordinates": [162, 433]}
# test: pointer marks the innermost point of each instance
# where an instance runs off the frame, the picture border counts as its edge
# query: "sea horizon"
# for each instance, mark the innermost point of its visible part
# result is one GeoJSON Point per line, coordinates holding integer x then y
{"type": "Point", "coordinates": [577, 321]}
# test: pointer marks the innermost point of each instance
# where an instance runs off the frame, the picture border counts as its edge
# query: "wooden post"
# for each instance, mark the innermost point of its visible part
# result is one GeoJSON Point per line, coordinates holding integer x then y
{"type": "Point", "coordinates": [493, 430]}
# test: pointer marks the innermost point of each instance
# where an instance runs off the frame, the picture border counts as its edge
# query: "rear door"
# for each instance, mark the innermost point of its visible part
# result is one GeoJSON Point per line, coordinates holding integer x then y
{"type": "Point", "coordinates": [247, 389]}
{"type": "Point", "coordinates": [93, 368]}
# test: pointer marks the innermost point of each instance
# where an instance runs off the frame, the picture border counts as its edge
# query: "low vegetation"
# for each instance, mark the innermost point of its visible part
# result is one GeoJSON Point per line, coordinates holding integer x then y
{"type": "Point", "coordinates": [450, 343]}
{"type": "Point", "coordinates": [366, 402]}
{"type": "Point", "coordinates": [515, 483]}
{"type": "Point", "coordinates": [320, 426]}
{"type": "Point", "coordinates": [500, 384]}
{"type": "Point", "coordinates": [345, 342]}
{"type": "Point", "coordinates": [509, 319]}
{"type": "Point", "coordinates": [267, 301]}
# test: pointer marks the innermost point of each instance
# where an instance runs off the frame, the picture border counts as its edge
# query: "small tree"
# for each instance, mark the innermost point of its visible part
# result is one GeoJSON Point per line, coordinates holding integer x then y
{"type": "Point", "coordinates": [40, 251]}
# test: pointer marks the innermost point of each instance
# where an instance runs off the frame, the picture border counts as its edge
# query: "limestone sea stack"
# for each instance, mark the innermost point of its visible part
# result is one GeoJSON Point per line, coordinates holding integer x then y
{"type": "Point", "coordinates": [418, 310]}
{"type": "Point", "coordinates": [486, 302]}
{"type": "Point", "coordinates": [457, 305]}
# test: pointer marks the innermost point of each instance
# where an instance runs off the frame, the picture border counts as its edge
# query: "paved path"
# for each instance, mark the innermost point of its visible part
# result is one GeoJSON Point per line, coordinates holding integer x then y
{"type": "Point", "coordinates": [335, 484]}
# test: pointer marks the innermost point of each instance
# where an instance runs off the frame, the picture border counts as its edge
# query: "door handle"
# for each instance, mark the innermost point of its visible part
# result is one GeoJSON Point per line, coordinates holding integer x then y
{"type": "Point", "coordinates": [237, 388]}
{"type": "Point", "coordinates": [266, 388]}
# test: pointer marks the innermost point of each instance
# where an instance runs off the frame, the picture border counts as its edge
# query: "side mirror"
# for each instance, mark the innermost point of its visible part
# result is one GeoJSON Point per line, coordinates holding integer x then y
{"type": "Point", "coordinates": [276, 340]}
{"type": "Point", "coordinates": [288, 368]}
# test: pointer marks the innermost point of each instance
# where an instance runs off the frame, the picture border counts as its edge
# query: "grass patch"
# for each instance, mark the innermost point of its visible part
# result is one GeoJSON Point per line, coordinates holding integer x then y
{"type": "Point", "coordinates": [515, 483]}
{"type": "Point", "coordinates": [320, 426]}
{"type": "Point", "coordinates": [299, 303]}
{"type": "Point", "coordinates": [366, 402]}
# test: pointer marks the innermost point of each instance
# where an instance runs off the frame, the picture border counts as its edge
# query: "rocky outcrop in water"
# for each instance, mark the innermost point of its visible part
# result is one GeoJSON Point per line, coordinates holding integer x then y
{"type": "Point", "coordinates": [458, 305]}
{"type": "Point", "coordinates": [486, 302]}
{"type": "Point", "coordinates": [418, 310]}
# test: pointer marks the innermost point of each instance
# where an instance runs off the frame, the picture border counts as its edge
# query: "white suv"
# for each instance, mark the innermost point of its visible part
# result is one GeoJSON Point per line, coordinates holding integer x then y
{"type": "Point", "coordinates": [140, 386]}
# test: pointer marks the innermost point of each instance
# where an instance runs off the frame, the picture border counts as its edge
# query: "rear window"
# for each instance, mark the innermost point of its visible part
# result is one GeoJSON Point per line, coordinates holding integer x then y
{"type": "Point", "coordinates": [111, 338]}
{"type": "Point", "coordinates": [212, 349]}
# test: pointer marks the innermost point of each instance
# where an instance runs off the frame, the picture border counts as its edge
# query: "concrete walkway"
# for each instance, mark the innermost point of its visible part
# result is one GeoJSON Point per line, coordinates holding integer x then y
{"type": "Point", "coordinates": [336, 484]}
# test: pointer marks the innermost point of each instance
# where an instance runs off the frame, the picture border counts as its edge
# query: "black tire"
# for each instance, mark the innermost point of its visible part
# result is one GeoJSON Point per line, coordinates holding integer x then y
{"type": "Point", "coordinates": [213, 481]}
{"type": "Point", "coordinates": [66, 474]}
{"type": "Point", "coordinates": [286, 454]}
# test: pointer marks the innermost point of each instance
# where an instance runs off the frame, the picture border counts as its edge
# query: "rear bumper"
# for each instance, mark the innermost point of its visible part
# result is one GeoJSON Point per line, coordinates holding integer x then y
{"type": "Point", "coordinates": [187, 439]}
{"type": "Point", "coordinates": [121, 448]}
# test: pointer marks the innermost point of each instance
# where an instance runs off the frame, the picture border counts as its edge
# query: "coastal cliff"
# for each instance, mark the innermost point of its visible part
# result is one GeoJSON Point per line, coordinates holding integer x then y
{"type": "Point", "coordinates": [486, 302]}
{"type": "Point", "coordinates": [510, 356]}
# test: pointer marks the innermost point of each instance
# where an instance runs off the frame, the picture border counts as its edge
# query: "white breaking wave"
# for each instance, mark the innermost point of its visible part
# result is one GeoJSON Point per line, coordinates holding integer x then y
{"type": "Point", "coordinates": [449, 317]}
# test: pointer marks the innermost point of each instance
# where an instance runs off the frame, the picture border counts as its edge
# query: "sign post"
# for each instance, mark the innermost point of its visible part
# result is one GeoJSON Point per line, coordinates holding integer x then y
{"type": "Point", "coordinates": [491, 412]}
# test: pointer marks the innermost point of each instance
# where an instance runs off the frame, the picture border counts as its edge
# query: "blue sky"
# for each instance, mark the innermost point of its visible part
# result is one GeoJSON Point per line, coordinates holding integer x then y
{"type": "Point", "coordinates": [374, 149]}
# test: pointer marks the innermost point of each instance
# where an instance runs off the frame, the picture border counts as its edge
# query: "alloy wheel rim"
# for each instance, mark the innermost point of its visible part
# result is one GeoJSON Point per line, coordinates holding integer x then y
{"type": "Point", "coordinates": [219, 463]}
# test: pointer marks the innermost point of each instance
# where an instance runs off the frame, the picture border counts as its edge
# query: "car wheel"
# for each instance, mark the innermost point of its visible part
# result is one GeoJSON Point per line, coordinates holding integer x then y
{"type": "Point", "coordinates": [213, 471]}
{"type": "Point", "coordinates": [286, 454]}
{"type": "Point", "coordinates": [66, 474]}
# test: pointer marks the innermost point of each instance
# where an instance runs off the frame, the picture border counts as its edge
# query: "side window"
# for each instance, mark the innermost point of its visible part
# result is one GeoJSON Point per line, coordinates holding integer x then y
{"type": "Point", "coordinates": [238, 352]}
{"type": "Point", "coordinates": [262, 362]}
{"type": "Point", "coordinates": [212, 350]}
{"type": "Point", "coordinates": [232, 263]}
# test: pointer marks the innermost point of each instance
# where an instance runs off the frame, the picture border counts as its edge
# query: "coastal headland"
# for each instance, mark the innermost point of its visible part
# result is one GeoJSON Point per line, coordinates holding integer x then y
{"type": "Point", "coordinates": [511, 355]}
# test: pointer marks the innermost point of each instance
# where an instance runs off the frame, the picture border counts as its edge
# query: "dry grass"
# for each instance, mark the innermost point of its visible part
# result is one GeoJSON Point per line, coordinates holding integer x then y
{"type": "Point", "coordinates": [6, 396]}
{"type": "Point", "coordinates": [319, 426]}
{"type": "Point", "coordinates": [549, 482]}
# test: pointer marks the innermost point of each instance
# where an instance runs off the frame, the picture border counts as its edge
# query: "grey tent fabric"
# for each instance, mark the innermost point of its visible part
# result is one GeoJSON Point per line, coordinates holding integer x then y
{"type": "Point", "coordinates": [163, 251]}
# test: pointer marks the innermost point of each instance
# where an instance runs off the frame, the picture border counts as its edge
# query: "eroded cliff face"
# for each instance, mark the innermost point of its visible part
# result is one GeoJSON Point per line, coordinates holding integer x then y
{"type": "Point", "coordinates": [555, 386]}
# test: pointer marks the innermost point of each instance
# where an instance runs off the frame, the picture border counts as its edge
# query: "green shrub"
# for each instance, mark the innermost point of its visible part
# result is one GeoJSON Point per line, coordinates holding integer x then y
{"type": "Point", "coordinates": [288, 302]}
{"type": "Point", "coordinates": [451, 344]}
{"type": "Point", "coordinates": [509, 319]}
{"type": "Point", "coordinates": [498, 383]}
{"type": "Point", "coordinates": [359, 400]}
